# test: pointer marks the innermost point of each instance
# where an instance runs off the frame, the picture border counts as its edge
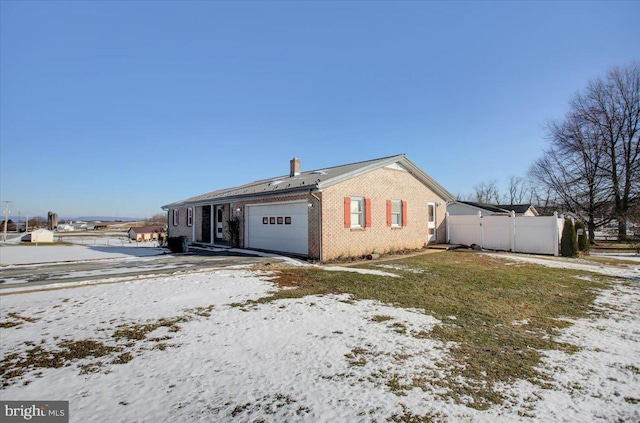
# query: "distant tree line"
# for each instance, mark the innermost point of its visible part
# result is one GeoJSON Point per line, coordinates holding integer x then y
{"type": "Point", "coordinates": [13, 226]}
{"type": "Point", "coordinates": [158, 219]}
{"type": "Point", "coordinates": [592, 164]}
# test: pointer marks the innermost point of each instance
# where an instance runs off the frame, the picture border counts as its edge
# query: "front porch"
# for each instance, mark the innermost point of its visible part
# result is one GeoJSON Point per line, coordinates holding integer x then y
{"type": "Point", "coordinates": [211, 224]}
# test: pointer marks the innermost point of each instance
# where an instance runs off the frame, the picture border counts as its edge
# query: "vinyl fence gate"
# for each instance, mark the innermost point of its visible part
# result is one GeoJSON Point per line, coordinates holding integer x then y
{"type": "Point", "coordinates": [522, 234]}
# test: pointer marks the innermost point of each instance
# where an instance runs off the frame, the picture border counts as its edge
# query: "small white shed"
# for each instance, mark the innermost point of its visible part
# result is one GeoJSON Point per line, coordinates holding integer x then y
{"type": "Point", "coordinates": [39, 235]}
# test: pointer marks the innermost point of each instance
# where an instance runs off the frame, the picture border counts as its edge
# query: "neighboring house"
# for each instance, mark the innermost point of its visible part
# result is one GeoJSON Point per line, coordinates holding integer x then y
{"type": "Point", "coordinates": [372, 206]}
{"type": "Point", "coordinates": [39, 235]}
{"type": "Point", "coordinates": [459, 208]}
{"type": "Point", "coordinates": [147, 233]}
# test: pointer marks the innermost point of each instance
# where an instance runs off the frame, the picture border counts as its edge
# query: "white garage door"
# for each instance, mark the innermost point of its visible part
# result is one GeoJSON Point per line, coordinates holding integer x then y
{"type": "Point", "coordinates": [278, 227]}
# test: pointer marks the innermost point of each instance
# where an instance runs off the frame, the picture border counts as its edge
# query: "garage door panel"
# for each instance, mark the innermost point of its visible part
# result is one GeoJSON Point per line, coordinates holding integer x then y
{"type": "Point", "coordinates": [292, 238]}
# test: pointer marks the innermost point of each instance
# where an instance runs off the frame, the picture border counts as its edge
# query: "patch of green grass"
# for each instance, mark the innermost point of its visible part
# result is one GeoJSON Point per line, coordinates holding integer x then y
{"type": "Point", "coordinates": [17, 320]}
{"type": "Point", "coordinates": [123, 358]}
{"type": "Point", "coordinates": [396, 386]}
{"type": "Point", "coordinates": [93, 367]}
{"type": "Point", "coordinates": [137, 331]}
{"type": "Point", "coordinates": [381, 318]}
{"type": "Point", "coordinates": [15, 365]}
{"type": "Point", "coordinates": [64, 353]}
{"type": "Point", "coordinates": [267, 405]}
{"type": "Point", "coordinates": [408, 417]}
{"type": "Point", "coordinates": [398, 328]}
{"type": "Point", "coordinates": [486, 295]}
{"type": "Point", "coordinates": [239, 409]}
{"type": "Point", "coordinates": [357, 357]}
{"type": "Point", "coordinates": [201, 311]}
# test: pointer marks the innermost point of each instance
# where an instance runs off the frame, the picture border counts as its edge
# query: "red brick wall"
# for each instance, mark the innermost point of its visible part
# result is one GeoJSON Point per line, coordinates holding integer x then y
{"type": "Point", "coordinates": [379, 185]}
{"type": "Point", "coordinates": [182, 229]}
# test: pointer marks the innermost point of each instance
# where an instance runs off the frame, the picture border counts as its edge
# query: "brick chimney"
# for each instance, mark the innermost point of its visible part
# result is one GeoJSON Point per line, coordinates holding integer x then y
{"type": "Point", "coordinates": [295, 167]}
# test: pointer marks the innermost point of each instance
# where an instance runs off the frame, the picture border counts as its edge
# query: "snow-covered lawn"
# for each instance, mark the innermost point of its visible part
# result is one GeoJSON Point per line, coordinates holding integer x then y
{"type": "Point", "coordinates": [624, 271]}
{"type": "Point", "coordinates": [191, 348]}
{"type": "Point", "coordinates": [619, 256]}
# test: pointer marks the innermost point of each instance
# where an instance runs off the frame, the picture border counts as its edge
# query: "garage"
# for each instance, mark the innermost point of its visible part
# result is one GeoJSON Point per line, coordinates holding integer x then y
{"type": "Point", "coordinates": [280, 227]}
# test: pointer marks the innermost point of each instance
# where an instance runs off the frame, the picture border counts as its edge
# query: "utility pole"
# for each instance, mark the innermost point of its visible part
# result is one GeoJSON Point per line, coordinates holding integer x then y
{"type": "Point", "coordinates": [6, 216]}
{"type": "Point", "coordinates": [26, 223]}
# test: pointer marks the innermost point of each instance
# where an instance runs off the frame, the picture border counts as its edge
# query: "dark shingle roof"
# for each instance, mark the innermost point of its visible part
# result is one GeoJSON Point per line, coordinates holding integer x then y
{"type": "Point", "coordinates": [517, 208]}
{"type": "Point", "coordinates": [310, 181]}
{"type": "Point", "coordinates": [147, 229]}
{"type": "Point", "coordinates": [485, 206]}
{"type": "Point", "coordinates": [500, 208]}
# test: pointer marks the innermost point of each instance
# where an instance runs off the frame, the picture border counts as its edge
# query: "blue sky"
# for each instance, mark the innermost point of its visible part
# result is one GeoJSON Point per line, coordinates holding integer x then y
{"type": "Point", "coordinates": [116, 108]}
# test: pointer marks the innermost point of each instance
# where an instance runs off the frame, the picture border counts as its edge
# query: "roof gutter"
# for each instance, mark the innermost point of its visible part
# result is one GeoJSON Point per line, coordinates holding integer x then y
{"type": "Point", "coordinates": [230, 198]}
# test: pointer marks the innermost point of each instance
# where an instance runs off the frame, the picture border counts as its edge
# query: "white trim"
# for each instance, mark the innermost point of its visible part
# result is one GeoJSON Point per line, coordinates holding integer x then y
{"type": "Point", "coordinates": [218, 209]}
{"type": "Point", "coordinates": [362, 218]}
{"type": "Point", "coordinates": [193, 224]}
{"type": "Point", "coordinates": [190, 216]}
{"type": "Point", "coordinates": [396, 166]}
{"type": "Point", "coordinates": [400, 222]}
{"type": "Point", "coordinates": [434, 222]}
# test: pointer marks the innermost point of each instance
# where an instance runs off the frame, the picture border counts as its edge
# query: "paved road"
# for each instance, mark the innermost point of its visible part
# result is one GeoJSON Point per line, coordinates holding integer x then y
{"type": "Point", "coordinates": [46, 274]}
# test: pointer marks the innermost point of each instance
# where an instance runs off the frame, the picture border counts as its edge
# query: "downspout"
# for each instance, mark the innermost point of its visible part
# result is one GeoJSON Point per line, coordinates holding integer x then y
{"type": "Point", "coordinates": [319, 224]}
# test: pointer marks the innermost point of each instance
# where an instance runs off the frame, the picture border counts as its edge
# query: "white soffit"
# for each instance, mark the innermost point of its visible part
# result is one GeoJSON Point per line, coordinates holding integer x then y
{"type": "Point", "coordinates": [396, 166]}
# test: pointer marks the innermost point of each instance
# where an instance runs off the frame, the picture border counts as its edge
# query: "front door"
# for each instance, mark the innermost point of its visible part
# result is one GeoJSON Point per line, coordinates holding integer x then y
{"type": "Point", "coordinates": [206, 224]}
{"type": "Point", "coordinates": [431, 222]}
{"type": "Point", "coordinates": [219, 234]}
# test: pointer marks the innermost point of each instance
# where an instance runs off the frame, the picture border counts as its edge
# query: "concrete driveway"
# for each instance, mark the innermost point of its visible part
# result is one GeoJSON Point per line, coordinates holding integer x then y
{"type": "Point", "coordinates": [121, 269]}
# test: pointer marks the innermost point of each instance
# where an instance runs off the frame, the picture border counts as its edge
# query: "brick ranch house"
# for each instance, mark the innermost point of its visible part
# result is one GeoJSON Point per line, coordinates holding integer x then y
{"type": "Point", "coordinates": [350, 210]}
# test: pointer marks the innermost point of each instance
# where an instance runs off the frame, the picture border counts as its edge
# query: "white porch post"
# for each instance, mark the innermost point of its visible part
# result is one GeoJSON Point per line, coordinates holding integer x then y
{"type": "Point", "coordinates": [193, 224]}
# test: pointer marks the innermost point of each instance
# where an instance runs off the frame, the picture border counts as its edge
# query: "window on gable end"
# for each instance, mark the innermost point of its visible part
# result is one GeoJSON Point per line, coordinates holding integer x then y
{"type": "Point", "coordinates": [175, 217]}
{"type": "Point", "coordinates": [357, 212]}
{"type": "Point", "coordinates": [396, 213]}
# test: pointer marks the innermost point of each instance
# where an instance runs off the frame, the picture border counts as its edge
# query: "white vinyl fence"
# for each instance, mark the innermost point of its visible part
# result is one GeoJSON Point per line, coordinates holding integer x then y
{"type": "Point", "coordinates": [522, 234]}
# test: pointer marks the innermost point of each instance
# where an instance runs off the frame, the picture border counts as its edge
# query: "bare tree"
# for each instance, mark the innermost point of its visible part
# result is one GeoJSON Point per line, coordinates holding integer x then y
{"type": "Point", "coordinates": [519, 192]}
{"type": "Point", "coordinates": [571, 169]}
{"type": "Point", "coordinates": [544, 198]}
{"type": "Point", "coordinates": [593, 162]}
{"type": "Point", "coordinates": [158, 219]}
{"type": "Point", "coordinates": [486, 192]}
{"type": "Point", "coordinates": [611, 108]}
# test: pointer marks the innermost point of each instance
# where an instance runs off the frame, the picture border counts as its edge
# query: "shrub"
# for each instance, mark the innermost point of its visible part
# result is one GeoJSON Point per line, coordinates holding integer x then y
{"type": "Point", "coordinates": [569, 242]}
{"type": "Point", "coordinates": [178, 244]}
{"type": "Point", "coordinates": [234, 232]}
{"type": "Point", "coordinates": [583, 240]}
